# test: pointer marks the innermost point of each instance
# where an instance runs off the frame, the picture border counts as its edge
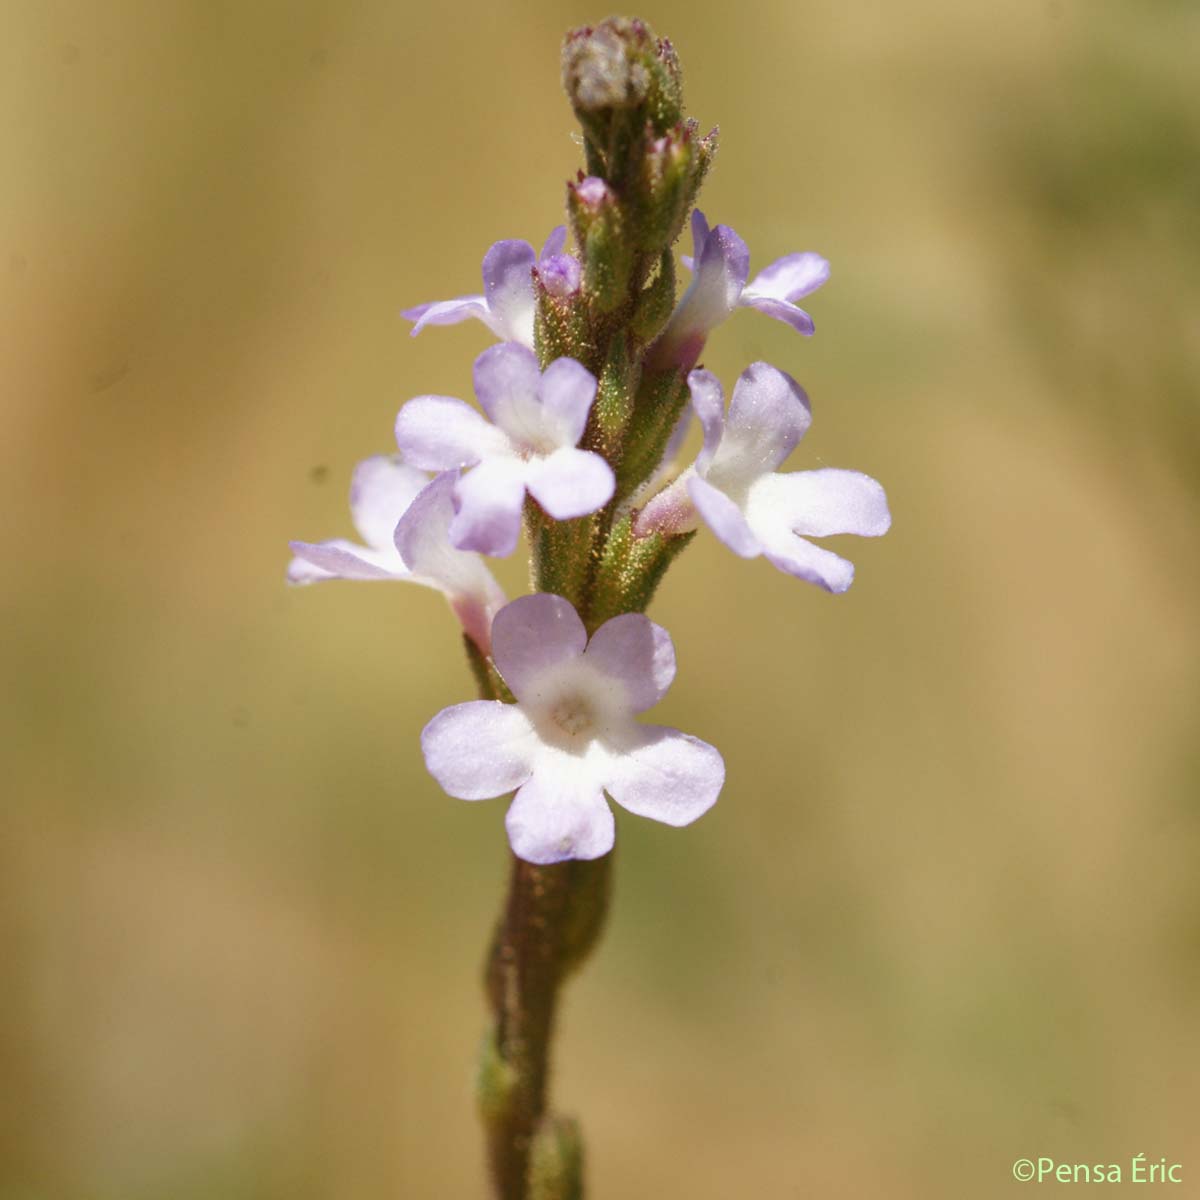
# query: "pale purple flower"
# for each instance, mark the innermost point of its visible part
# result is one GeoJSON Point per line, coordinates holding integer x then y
{"type": "Point", "coordinates": [572, 734]}
{"type": "Point", "coordinates": [507, 303]}
{"type": "Point", "coordinates": [721, 263]}
{"type": "Point", "coordinates": [735, 488]}
{"type": "Point", "coordinates": [403, 520]}
{"type": "Point", "coordinates": [536, 422]}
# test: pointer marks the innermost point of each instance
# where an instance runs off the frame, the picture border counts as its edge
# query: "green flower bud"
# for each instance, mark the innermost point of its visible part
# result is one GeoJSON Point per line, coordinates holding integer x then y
{"type": "Point", "coordinates": [666, 185]}
{"type": "Point", "coordinates": [655, 301]}
{"type": "Point", "coordinates": [601, 232]}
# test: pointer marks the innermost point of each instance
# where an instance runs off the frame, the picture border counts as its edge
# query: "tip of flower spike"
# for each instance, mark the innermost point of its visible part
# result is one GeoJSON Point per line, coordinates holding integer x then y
{"type": "Point", "coordinates": [601, 68]}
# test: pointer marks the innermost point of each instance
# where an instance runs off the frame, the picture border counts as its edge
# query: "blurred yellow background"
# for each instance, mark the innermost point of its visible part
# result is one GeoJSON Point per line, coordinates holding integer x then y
{"type": "Point", "coordinates": [947, 912]}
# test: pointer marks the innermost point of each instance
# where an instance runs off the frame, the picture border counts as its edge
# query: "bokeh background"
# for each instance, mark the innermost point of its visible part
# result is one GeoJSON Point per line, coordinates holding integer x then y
{"type": "Point", "coordinates": [947, 912]}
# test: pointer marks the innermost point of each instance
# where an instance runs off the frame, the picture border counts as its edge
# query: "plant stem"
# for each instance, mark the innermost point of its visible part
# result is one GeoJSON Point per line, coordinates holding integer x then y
{"type": "Point", "coordinates": [551, 921]}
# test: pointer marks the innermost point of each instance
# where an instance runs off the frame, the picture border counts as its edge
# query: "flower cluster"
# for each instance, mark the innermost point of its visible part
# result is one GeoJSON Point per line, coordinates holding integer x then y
{"type": "Point", "coordinates": [582, 409]}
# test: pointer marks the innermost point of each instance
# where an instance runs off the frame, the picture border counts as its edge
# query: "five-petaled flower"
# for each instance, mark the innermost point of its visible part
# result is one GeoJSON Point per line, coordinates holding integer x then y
{"type": "Point", "coordinates": [537, 421]}
{"type": "Point", "coordinates": [753, 509]}
{"type": "Point", "coordinates": [572, 735]}
{"type": "Point", "coordinates": [507, 303]}
{"type": "Point", "coordinates": [403, 518]}
{"type": "Point", "coordinates": [721, 263]}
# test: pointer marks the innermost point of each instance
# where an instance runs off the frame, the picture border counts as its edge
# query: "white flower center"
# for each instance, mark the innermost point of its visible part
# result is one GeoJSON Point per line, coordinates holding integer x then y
{"type": "Point", "coordinates": [578, 710]}
{"type": "Point", "coordinates": [573, 715]}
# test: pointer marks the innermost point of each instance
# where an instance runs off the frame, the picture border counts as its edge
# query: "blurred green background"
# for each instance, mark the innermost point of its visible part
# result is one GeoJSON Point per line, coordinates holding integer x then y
{"type": "Point", "coordinates": [947, 912]}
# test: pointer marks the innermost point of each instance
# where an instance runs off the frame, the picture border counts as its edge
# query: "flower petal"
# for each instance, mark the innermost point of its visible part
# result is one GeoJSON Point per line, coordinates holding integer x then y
{"type": "Point", "coordinates": [820, 503]}
{"type": "Point", "coordinates": [507, 380]}
{"type": "Point", "coordinates": [781, 310]}
{"type": "Point", "coordinates": [381, 489]}
{"type": "Point", "coordinates": [439, 433]}
{"type": "Point", "coordinates": [708, 401]}
{"type": "Point", "coordinates": [489, 501]}
{"type": "Point", "coordinates": [567, 391]}
{"type": "Point", "coordinates": [571, 483]}
{"type": "Point", "coordinates": [720, 276]}
{"type": "Point", "coordinates": [340, 559]}
{"type": "Point", "coordinates": [423, 541]}
{"type": "Point", "coordinates": [667, 776]}
{"type": "Point", "coordinates": [532, 634]}
{"type": "Point", "coordinates": [723, 517]}
{"type": "Point", "coordinates": [699, 225]}
{"type": "Point", "coordinates": [479, 749]}
{"type": "Point", "coordinates": [554, 244]}
{"type": "Point", "coordinates": [447, 312]}
{"type": "Point", "coordinates": [557, 816]}
{"type": "Point", "coordinates": [790, 277]}
{"type": "Point", "coordinates": [721, 270]}
{"type": "Point", "coordinates": [637, 653]}
{"type": "Point", "coordinates": [802, 559]}
{"type": "Point", "coordinates": [508, 286]}
{"type": "Point", "coordinates": [767, 416]}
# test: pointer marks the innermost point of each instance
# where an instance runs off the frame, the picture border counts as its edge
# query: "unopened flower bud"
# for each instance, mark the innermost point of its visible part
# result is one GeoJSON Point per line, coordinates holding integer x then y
{"type": "Point", "coordinates": [619, 77]}
{"type": "Point", "coordinates": [601, 232]}
{"type": "Point", "coordinates": [560, 275]}
{"type": "Point", "coordinates": [666, 185]}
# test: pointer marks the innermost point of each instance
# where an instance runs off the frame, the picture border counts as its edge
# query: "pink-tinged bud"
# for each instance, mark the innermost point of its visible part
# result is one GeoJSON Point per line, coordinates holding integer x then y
{"type": "Point", "coordinates": [561, 275]}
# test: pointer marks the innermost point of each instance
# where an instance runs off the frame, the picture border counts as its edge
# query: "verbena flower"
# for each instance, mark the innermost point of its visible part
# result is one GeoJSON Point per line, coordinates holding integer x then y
{"type": "Point", "coordinates": [721, 263]}
{"type": "Point", "coordinates": [754, 510]}
{"type": "Point", "coordinates": [537, 420]}
{"type": "Point", "coordinates": [403, 519]}
{"type": "Point", "coordinates": [507, 304]}
{"type": "Point", "coordinates": [572, 734]}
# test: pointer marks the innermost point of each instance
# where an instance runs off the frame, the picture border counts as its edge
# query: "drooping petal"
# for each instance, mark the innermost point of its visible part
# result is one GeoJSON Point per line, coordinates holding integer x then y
{"type": "Point", "coordinates": [667, 776]}
{"type": "Point", "coordinates": [567, 391]}
{"type": "Point", "coordinates": [508, 287]}
{"type": "Point", "coordinates": [447, 312]}
{"type": "Point", "coordinates": [789, 278]}
{"type": "Point", "coordinates": [554, 243]}
{"type": "Point", "coordinates": [558, 816]}
{"type": "Point", "coordinates": [439, 433]}
{"type": "Point", "coordinates": [708, 401]}
{"type": "Point", "coordinates": [489, 501]}
{"type": "Point", "coordinates": [532, 634]}
{"type": "Point", "coordinates": [381, 489]}
{"type": "Point", "coordinates": [815, 564]}
{"type": "Point", "coordinates": [768, 415]}
{"type": "Point", "coordinates": [723, 517]}
{"type": "Point", "coordinates": [781, 310]}
{"type": "Point", "coordinates": [341, 559]}
{"type": "Point", "coordinates": [570, 483]}
{"type": "Point", "coordinates": [822, 502]}
{"type": "Point", "coordinates": [638, 654]}
{"type": "Point", "coordinates": [507, 380]}
{"type": "Point", "coordinates": [422, 539]}
{"type": "Point", "coordinates": [479, 749]}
